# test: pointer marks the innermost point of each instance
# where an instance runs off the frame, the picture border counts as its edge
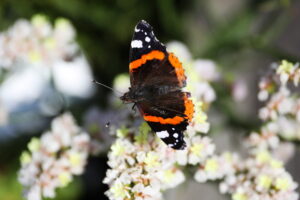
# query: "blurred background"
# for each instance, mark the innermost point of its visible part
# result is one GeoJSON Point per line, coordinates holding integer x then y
{"type": "Point", "coordinates": [91, 39]}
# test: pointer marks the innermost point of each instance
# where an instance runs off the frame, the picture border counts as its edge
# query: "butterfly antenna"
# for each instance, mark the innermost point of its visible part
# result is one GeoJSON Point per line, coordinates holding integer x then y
{"type": "Point", "coordinates": [116, 91]}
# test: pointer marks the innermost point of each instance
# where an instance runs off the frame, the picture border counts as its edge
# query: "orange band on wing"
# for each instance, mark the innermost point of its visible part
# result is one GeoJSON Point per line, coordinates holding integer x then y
{"type": "Point", "coordinates": [175, 120]}
{"type": "Point", "coordinates": [155, 54]}
{"type": "Point", "coordinates": [189, 111]}
{"type": "Point", "coordinates": [178, 68]}
{"type": "Point", "coordinates": [189, 108]}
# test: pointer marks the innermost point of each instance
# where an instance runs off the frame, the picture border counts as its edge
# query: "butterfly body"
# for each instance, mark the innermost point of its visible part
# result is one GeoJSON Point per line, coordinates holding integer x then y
{"type": "Point", "coordinates": [157, 78]}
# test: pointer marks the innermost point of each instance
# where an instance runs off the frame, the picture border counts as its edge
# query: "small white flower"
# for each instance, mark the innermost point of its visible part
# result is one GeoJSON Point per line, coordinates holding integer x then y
{"type": "Point", "coordinates": [263, 95]}
{"type": "Point", "coordinates": [78, 82]}
{"type": "Point", "coordinates": [284, 77]}
{"type": "Point", "coordinates": [240, 90]}
{"type": "Point", "coordinates": [179, 48]}
{"type": "Point", "coordinates": [34, 193]}
{"type": "Point", "coordinates": [206, 69]}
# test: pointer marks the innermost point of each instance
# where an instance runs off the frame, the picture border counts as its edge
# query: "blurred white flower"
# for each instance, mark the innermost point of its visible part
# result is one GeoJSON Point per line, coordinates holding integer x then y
{"type": "Point", "coordinates": [266, 138]}
{"type": "Point", "coordinates": [197, 151]}
{"type": "Point", "coordinates": [178, 48]}
{"type": "Point", "coordinates": [286, 71]}
{"type": "Point", "coordinates": [53, 159]}
{"type": "Point", "coordinates": [73, 78]}
{"type": "Point", "coordinates": [284, 152]}
{"type": "Point", "coordinates": [3, 115]}
{"type": "Point", "coordinates": [203, 91]}
{"type": "Point", "coordinates": [171, 177]}
{"type": "Point", "coordinates": [63, 31]}
{"type": "Point", "coordinates": [216, 167]}
{"type": "Point", "coordinates": [280, 103]}
{"type": "Point", "coordinates": [263, 95]}
{"type": "Point", "coordinates": [23, 86]}
{"type": "Point", "coordinates": [259, 177]}
{"type": "Point", "coordinates": [32, 52]}
{"type": "Point", "coordinates": [240, 90]}
{"type": "Point", "coordinates": [206, 69]}
{"type": "Point", "coordinates": [121, 83]}
{"type": "Point", "coordinates": [288, 128]}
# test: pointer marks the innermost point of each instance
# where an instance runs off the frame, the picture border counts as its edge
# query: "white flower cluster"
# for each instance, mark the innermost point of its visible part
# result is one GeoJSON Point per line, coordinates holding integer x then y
{"type": "Point", "coordinates": [282, 109]}
{"type": "Point", "coordinates": [34, 53]}
{"type": "Point", "coordinates": [199, 149]}
{"type": "Point", "coordinates": [216, 167]}
{"type": "Point", "coordinates": [53, 159]}
{"type": "Point", "coordinates": [142, 168]}
{"type": "Point", "coordinates": [259, 177]}
{"type": "Point", "coordinates": [37, 42]}
{"type": "Point", "coordinates": [267, 138]}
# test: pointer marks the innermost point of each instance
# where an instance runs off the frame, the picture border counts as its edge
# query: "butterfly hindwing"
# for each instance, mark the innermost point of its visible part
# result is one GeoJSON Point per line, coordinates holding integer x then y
{"type": "Point", "coordinates": [172, 135]}
{"type": "Point", "coordinates": [170, 117]}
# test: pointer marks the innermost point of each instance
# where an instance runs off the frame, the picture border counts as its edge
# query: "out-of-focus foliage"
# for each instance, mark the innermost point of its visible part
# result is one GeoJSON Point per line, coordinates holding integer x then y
{"type": "Point", "coordinates": [10, 187]}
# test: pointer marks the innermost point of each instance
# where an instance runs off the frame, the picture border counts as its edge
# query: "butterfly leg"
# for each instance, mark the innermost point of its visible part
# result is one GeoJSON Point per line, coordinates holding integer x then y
{"type": "Point", "coordinates": [133, 107]}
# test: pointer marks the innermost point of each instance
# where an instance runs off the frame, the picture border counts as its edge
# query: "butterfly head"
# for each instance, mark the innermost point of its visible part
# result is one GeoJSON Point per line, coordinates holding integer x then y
{"type": "Point", "coordinates": [132, 96]}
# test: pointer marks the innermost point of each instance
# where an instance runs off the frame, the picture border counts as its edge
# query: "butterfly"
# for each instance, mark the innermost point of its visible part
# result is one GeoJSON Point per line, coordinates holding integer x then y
{"type": "Point", "coordinates": [157, 79]}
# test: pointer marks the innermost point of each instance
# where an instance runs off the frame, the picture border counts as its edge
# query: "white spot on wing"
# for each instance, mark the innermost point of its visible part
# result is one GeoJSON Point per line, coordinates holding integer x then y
{"type": "Point", "coordinates": [162, 134]}
{"type": "Point", "coordinates": [173, 129]}
{"type": "Point", "coordinates": [147, 39]}
{"type": "Point", "coordinates": [136, 30]}
{"type": "Point", "coordinates": [136, 44]}
{"type": "Point", "coordinates": [175, 135]}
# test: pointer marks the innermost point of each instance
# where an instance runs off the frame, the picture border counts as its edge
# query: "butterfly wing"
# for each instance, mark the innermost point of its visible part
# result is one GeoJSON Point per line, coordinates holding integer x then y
{"type": "Point", "coordinates": [168, 115]}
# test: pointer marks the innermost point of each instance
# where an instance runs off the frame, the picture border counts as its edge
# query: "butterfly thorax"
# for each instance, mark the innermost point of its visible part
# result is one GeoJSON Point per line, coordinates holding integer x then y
{"type": "Point", "coordinates": [146, 93]}
{"type": "Point", "coordinates": [134, 95]}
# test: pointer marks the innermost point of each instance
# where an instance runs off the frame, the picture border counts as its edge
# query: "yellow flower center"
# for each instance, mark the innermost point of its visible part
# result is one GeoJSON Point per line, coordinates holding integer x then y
{"type": "Point", "coordinates": [264, 181]}
{"type": "Point", "coordinates": [64, 178]}
{"type": "Point", "coordinates": [197, 149]}
{"type": "Point", "coordinates": [282, 183]}
{"type": "Point", "coordinates": [151, 160]}
{"type": "Point", "coordinates": [211, 165]}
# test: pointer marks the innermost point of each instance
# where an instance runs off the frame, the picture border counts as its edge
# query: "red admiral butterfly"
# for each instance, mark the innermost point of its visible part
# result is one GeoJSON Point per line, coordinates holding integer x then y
{"type": "Point", "coordinates": [157, 78]}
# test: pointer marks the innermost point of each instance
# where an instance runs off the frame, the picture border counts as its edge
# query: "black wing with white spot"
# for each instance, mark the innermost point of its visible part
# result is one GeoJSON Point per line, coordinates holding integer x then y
{"type": "Point", "coordinates": [172, 135]}
{"type": "Point", "coordinates": [144, 41]}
